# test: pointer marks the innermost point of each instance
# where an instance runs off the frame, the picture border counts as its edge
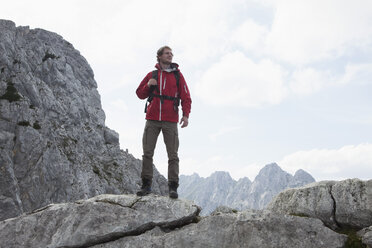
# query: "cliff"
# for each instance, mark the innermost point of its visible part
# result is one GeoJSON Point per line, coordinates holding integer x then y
{"type": "Point", "coordinates": [54, 145]}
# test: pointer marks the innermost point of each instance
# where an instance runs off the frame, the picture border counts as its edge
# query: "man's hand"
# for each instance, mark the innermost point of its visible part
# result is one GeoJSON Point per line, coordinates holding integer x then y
{"type": "Point", "coordinates": [152, 81]}
{"type": "Point", "coordinates": [184, 121]}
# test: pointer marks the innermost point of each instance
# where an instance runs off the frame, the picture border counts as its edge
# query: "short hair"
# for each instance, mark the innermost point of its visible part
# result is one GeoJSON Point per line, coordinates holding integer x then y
{"type": "Point", "coordinates": [161, 50]}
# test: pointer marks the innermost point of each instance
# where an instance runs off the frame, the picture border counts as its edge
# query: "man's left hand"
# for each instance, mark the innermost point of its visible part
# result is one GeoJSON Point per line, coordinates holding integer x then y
{"type": "Point", "coordinates": [184, 121]}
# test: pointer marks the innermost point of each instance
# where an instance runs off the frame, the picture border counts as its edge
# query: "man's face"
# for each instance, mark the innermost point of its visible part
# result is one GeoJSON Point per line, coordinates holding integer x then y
{"type": "Point", "coordinates": [166, 57]}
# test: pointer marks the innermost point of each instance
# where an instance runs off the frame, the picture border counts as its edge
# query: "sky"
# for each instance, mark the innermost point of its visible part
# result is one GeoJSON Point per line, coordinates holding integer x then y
{"type": "Point", "coordinates": [271, 81]}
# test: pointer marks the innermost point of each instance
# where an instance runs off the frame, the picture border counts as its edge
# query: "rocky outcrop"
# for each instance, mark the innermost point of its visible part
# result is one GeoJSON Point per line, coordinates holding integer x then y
{"type": "Point", "coordinates": [98, 220]}
{"type": "Point", "coordinates": [220, 189]}
{"type": "Point", "coordinates": [54, 145]}
{"type": "Point", "coordinates": [243, 229]}
{"type": "Point", "coordinates": [154, 221]}
{"type": "Point", "coordinates": [366, 236]}
{"type": "Point", "coordinates": [340, 204]}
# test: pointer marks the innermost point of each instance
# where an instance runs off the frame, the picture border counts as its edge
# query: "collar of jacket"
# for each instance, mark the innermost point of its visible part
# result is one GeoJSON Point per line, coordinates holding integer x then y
{"type": "Point", "coordinates": [173, 67]}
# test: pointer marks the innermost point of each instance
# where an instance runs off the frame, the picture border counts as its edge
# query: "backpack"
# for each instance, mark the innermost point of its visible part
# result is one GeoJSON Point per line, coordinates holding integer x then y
{"type": "Point", "coordinates": [176, 100]}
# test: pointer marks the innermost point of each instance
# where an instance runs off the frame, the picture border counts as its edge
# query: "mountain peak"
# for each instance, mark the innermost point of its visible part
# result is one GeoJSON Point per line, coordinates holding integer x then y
{"type": "Point", "coordinates": [301, 177]}
{"type": "Point", "coordinates": [270, 170]}
{"type": "Point", "coordinates": [221, 175]}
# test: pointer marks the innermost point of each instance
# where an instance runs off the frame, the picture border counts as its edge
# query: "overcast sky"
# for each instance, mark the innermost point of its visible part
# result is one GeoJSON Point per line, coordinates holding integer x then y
{"type": "Point", "coordinates": [271, 81]}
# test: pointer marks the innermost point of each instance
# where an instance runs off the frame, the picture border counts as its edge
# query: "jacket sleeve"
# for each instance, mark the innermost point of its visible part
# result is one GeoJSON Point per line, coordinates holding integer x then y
{"type": "Point", "coordinates": [143, 90]}
{"type": "Point", "coordinates": [185, 97]}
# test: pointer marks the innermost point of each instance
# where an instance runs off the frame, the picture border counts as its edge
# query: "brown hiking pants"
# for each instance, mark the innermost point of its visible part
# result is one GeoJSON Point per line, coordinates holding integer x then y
{"type": "Point", "coordinates": [170, 136]}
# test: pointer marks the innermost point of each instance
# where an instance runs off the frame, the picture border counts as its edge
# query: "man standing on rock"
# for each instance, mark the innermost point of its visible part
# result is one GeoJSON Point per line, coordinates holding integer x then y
{"type": "Point", "coordinates": [164, 88]}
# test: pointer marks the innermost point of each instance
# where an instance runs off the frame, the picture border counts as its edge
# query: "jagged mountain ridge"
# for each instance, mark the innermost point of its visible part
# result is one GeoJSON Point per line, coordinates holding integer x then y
{"type": "Point", "coordinates": [219, 189]}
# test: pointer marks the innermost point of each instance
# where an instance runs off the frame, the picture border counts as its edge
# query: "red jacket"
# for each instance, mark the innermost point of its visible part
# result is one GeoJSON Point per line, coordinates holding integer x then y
{"type": "Point", "coordinates": [167, 85]}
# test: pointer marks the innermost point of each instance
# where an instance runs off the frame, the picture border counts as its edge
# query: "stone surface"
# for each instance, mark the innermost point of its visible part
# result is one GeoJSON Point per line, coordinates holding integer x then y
{"type": "Point", "coordinates": [340, 204]}
{"type": "Point", "coordinates": [220, 189]}
{"type": "Point", "coordinates": [366, 234]}
{"type": "Point", "coordinates": [353, 199]}
{"type": "Point", "coordinates": [109, 221]}
{"type": "Point", "coordinates": [97, 220]}
{"type": "Point", "coordinates": [54, 145]}
{"type": "Point", "coordinates": [243, 229]}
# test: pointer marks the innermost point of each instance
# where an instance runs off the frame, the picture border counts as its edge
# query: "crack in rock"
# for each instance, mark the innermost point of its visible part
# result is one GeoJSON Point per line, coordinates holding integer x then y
{"type": "Point", "coordinates": [118, 204]}
{"type": "Point", "coordinates": [334, 208]}
{"type": "Point", "coordinates": [166, 226]}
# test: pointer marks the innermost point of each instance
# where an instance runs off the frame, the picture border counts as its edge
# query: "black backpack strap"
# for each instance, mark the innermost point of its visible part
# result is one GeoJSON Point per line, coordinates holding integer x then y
{"type": "Point", "coordinates": [176, 101]}
{"type": "Point", "coordinates": [177, 75]}
{"type": "Point", "coordinates": [152, 88]}
{"type": "Point", "coordinates": [155, 75]}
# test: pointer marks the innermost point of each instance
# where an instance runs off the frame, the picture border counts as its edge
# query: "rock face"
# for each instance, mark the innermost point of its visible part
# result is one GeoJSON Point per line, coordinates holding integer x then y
{"type": "Point", "coordinates": [366, 235]}
{"type": "Point", "coordinates": [54, 145]}
{"type": "Point", "coordinates": [220, 189]}
{"type": "Point", "coordinates": [340, 204]}
{"type": "Point", "coordinates": [155, 221]}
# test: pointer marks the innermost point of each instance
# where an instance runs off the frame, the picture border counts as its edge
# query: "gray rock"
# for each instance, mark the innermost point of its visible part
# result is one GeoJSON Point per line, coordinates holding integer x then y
{"type": "Point", "coordinates": [340, 204]}
{"type": "Point", "coordinates": [366, 234]}
{"type": "Point", "coordinates": [353, 199]}
{"type": "Point", "coordinates": [221, 189]}
{"type": "Point", "coordinates": [54, 145]}
{"type": "Point", "coordinates": [243, 229]}
{"type": "Point", "coordinates": [223, 210]}
{"type": "Point", "coordinates": [111, 137]}
{"type": "Point", "coordinates": [97, 220]}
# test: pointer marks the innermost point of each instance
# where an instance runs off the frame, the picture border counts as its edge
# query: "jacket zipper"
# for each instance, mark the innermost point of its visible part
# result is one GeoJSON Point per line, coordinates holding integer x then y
{"type": "Point", "coordinates": [161, 78]}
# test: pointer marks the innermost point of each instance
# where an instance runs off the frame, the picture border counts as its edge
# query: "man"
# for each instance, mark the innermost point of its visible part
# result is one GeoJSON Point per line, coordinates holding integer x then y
{"type": "Point", "coordinates": [164, 89]}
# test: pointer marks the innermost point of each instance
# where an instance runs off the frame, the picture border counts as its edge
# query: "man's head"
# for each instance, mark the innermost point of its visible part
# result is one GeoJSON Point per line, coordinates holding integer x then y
{"type": "Point", "coordinates": [165, 55]}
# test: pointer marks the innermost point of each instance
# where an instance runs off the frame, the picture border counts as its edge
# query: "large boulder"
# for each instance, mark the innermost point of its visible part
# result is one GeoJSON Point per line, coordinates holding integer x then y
{"type": "Point", "coordinates": [54, 145]}
{"type": "Point", "coordinates": [244, 229]}
{"type": "Point", "coordinates": [342, 204]}
{"type": "Point", "coordinates": [97, 220]}
{"type": "Point", "coordinates": [366, 236]}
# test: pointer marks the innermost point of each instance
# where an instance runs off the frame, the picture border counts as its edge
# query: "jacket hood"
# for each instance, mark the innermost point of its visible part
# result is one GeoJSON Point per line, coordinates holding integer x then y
{"type": "Point", "coordinates": [173, 67]}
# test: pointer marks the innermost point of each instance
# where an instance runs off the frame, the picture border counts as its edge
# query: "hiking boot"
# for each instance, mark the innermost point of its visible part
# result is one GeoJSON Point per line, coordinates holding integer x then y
{"type": "Point", "coordinates": [173, 190]}
{"type": "Point", "coordinates": [146, 187]}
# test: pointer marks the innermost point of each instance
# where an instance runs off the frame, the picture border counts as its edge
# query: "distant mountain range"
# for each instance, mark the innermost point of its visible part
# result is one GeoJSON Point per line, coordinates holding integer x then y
{"type": "Point", "coordinates": [219, 189]}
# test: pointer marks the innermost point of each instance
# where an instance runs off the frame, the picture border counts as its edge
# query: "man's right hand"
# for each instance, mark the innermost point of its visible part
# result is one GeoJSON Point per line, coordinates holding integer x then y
{"type": "Point", "coordinates": [152, 82]}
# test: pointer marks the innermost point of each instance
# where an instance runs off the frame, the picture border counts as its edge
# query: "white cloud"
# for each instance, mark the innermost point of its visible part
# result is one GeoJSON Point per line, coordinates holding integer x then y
{"type": "Point", "coordinates": [347, 162]}
{"type": "Point", "coordinates": [357, 73]}
{"type": "Point", "coordinates": [237, 80]}
{"type": "Point", "coordinates": [310, 31]}
{"type": "Point", "coordinates": [309, 80]}
{"type": "Point", "coordinates": [120, 105]}
{"type": "Point", "coordinates": [251, 36]}
{"type": "Point", "coordinates": [222, 131]}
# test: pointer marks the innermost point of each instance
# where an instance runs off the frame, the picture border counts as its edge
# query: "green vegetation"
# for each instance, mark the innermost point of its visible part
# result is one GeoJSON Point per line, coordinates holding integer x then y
{"type": "Point", "coordinates": [24, 123]}
{"type": "Point", "coordinates": [353, 240]}
{"type": "Point", "coordinates": [11, 93]}
{"type": "Point", "coordinates": [299, 214]}
{"type": "Point", "coordinates": [37, 125]}
{"type": "Point", "coordinates": [65, 142]}
{"type": "Point", "coordinates": [96, 170]}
